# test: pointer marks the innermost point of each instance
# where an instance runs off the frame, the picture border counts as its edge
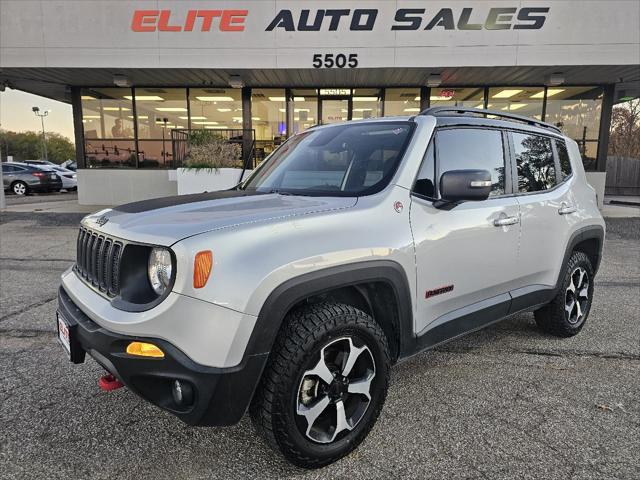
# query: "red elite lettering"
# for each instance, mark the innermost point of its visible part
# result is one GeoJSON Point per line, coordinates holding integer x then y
{"type": "Point", "coordinates": [163, 23]}
{"type": "Point", "coordinates": [191, 20]}
{"type": "Point", "coordinates": [207, 18]}
{"type": "Point", "coordinates": [230, 17]}
{"type": "Point", "coordinates": [142, 19]}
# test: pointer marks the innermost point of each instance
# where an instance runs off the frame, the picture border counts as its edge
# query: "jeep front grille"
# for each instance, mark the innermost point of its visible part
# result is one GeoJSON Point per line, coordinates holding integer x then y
{"type": "Point", "coordinates": [98, 261]}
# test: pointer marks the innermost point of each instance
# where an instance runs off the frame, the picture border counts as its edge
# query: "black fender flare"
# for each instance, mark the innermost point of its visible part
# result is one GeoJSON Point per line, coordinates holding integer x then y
{"type": "Point", "coordinates": [586, 233]}
{"type": "Point", "coordinates": [294, 290]}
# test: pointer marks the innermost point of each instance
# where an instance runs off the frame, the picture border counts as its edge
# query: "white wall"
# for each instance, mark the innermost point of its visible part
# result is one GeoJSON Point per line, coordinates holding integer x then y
{"type": "Point", "coordinates": [98, 33]}
{"type": "Point", "coordinates": [115, 187]}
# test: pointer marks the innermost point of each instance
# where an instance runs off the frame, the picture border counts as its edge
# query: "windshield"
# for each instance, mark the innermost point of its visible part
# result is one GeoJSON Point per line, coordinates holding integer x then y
{"type": "Point", "coordinates": [345, 160]}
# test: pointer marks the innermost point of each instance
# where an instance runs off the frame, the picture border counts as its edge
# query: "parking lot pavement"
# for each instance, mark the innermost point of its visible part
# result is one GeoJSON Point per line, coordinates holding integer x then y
{"type": "Point", "coordinates": [507, 402]}
{"type": "Point", "coordinates": [40, 198]}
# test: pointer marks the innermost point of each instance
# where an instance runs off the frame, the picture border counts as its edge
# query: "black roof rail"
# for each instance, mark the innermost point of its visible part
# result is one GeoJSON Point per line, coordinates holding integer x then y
{"type": "Point", "coordinates": [439, 111]}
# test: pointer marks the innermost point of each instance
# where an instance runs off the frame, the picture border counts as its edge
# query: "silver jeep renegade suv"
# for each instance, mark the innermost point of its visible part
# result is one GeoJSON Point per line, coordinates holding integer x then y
{"type": "Point", "coordinates": [352, 247]}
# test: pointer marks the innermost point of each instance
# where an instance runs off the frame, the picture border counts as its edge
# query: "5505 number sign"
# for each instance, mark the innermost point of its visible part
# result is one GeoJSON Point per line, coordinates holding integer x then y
{"type": "Point", "coordinates": [339, 60]}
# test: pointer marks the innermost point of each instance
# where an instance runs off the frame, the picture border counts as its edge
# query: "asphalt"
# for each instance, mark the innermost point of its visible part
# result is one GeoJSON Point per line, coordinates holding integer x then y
{"type": "Point", "coordinates": [507, 402]}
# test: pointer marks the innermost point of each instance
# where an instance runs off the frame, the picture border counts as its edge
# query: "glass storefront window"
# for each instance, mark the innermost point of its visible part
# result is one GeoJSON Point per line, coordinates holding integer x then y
{"type": "Point", "coordinates": [457, 97]}
{"type": "Point", "coordinates": [305, 109]}
{"type": "Point", "coordinates": [109, 153]}
{"type": "Point", "coordinates": [161, 110]}
{"type": "Point", "coordinates": [107, 113]}
{"type": "Point", "coordinates": [215, 108]}
{"type": "Point", "coordinates": [367, 103]}
{"type": "Point", "coordinates": [269, 119]}
{"type": "Point", "coordinates": [401, 101]}
{"type": "Point", "coordinates": [526, 101]}
{"type": "Point", "coordinates": [576, 111]}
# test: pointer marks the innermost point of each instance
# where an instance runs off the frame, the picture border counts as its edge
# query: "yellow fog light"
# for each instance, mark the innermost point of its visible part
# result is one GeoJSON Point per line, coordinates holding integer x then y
{"type": "Point", "coordinates": [142, 349]}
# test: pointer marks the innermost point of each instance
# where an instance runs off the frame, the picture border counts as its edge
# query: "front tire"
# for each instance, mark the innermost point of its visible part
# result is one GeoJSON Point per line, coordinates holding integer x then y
{"type": "Point", "coordinates": [568, 311]}
{"type": "Point", "coordinates": [324, 384]}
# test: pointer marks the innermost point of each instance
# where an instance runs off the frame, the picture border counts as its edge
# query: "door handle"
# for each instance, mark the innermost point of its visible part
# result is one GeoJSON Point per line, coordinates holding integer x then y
{"type": "Point", "coordinates": [566, 209]}
{"type": "Point", "coordinates": [505, 221]}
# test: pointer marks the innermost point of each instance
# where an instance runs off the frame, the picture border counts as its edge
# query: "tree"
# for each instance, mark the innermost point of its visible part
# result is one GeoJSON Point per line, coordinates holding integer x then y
{"type": "Point", "coordinates": [624, 139]}
{"type": "Point", "coordinates": [28, 146]}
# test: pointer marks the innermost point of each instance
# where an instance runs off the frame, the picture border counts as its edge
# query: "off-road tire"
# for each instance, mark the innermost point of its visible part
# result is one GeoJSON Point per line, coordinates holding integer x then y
{"type": "Point", "coordinates": [553, 318]}
{"type": "Point", "coordinates": [305, 333]}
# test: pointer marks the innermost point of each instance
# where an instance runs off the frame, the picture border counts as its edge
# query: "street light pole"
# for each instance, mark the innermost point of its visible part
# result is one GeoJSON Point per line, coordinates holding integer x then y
{"type": "Point", "coordinates": [36, 110]}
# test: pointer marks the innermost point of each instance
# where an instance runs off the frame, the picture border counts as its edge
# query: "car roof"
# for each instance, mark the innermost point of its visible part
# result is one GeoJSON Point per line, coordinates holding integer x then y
{"type": "Point", "coordinates": [459, 120]}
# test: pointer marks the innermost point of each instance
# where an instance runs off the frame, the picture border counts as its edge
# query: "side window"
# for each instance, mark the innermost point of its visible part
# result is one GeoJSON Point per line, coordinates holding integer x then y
{"type": "Point", "coordinates": [8, 168]}
{"type": "Point", "coordinates": [471, 148]}
{"type": "Point", "coordinates": [563, 154]}
{"type": "Point", "coordinates": [424, 183]}
{"type": "Point", "coordinates": [534, 161]}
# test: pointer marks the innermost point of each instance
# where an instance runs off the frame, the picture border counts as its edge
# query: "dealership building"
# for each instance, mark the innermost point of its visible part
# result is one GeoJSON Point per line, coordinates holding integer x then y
{"type": "Point", "coordinates": [142, 75]}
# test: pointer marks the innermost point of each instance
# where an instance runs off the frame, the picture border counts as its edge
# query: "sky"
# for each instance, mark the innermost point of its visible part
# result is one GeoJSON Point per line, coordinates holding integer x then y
{"type": "Point", "coordinates": [16, 114]}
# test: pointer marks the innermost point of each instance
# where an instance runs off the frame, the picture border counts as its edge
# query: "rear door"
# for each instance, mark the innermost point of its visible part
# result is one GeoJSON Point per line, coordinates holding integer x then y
{"type": "Point", "coordinates": [543, 175]}
{"type": "Point", "coordinates": [465, 256]}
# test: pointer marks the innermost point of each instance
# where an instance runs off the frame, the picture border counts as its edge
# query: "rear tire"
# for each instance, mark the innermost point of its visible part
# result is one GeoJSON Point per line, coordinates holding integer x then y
{"type": "Point", "coordinates": [568, 311]}
{"type": "Point", "coordinates": [324, 384]}
{"type": "Point", "coordinates": [20, 188]}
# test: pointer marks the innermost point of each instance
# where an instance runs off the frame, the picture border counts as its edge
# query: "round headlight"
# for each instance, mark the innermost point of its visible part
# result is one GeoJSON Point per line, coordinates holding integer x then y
{"type": "Point", "coordinates": [160, 269]}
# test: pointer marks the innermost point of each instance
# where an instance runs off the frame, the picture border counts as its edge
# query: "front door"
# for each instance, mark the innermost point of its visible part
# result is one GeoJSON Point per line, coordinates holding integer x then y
{"type": "Point", "coordinates": [465, 256]}
{"type": "Point", "coordinates": [334, 110]}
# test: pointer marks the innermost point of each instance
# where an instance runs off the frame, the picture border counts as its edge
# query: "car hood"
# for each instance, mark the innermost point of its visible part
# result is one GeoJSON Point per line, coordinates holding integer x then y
{"type": "Point", "coordinates": [164, 221]}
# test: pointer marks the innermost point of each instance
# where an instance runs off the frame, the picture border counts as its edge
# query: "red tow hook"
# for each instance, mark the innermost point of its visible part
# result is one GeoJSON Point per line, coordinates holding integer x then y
{"type": "Point", "coordinates": [108, 383]}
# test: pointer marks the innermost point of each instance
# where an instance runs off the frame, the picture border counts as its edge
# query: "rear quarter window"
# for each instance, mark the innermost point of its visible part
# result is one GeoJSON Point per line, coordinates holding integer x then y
{"type": "Point", "coordinates": [534, 162]}
{"type": "Point", "coordinates": [563, 157]}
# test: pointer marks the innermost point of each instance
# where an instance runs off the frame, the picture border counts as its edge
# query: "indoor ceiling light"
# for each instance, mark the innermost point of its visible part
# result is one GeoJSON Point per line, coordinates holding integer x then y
{"type": "Point", "coordinates": [193, 118]}
{"type": "Point", "coordinates": [115, 109]}
{"type": "Point", "coordinates": [86, 117]}
{"type": "Point", "coordinates": [236, 119]}
{"type": "Point", "coordinates": [365, 99]}
{"type": "Point", "coordinates": [145, 98]}
{"type": "Point", "coordinates": [215, 127]}
{"type": "Point", "coordinates": [507, 93]}
{"type": "Point", "coordinates": [171, 109]}
{"type": "Point", "coordinates": [205, 123]}
{"type": "Point", "coordinates": [417, 99]}
{"type": "Point", "coordinates": [550, 92]}
{"type": "Point", "coordinates": [140, 117]}
{"type": "Point", "coordinates": [215, 99]}
{"type": "Point", "coordinates": [256, 118]}
{"type": "Point", "coordinates": [436, 98]}
{"type": "Point", "coordinates": [515, 106]}
{"type": "Point", "coordinates": [283, 110]}
{"type": "Point", "coordinates": [276, 99]}
{"type": "Point", "coordinates": [223, 110]}
{"type": "Point", "coordinates": [411, 109]}
{"type": "Point", "coordinates": [87, 97]}
{"type": "Point", "coordinates": [363, 109]}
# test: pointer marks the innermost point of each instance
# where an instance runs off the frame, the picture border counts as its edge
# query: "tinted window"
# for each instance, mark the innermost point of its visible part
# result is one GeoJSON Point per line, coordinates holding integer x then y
{"type": "Point", "coordinates": [424, 182]}
{"type": "Point", "coordinates": [534, 160]}
{"type": "Point", "coordinates": [468, 148]}
{"type": "Point", "coordinates": [345, 160]}
{"type": "Point", "coordinates": [563, 154]}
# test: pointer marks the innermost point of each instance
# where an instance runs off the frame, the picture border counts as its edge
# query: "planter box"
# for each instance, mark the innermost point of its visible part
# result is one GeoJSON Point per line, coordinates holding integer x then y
{"type": "Point", "coordinates": [198, 181]}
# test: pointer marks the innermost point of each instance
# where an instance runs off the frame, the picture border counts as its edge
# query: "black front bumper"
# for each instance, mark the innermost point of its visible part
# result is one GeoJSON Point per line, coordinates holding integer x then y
{"type": "Point", "coordinates": [221, 395]}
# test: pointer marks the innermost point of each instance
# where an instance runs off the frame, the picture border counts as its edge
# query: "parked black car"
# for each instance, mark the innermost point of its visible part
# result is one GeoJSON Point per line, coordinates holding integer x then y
{"type": "Point", "coordinates": [23, 179]}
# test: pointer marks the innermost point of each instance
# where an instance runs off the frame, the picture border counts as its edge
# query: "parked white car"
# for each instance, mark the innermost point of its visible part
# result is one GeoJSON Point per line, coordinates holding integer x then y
{"type": "Point", "coordinates": [69, 178]}
{"type": "Point", "coordinates": [352, 247]}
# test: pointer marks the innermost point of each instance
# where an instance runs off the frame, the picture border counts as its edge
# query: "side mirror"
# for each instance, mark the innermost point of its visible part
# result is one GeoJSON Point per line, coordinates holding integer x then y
{"type": "Point", "coordinates": [461, 185]}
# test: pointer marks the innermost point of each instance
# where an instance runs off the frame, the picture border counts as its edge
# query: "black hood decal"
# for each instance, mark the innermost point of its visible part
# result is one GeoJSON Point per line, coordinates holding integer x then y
{"type": "Point", "coordinates": [164, 202]}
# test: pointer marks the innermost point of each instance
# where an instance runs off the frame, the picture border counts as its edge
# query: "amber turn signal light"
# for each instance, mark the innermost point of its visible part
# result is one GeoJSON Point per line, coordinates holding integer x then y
{"type": "Point", "coordinates": [142, 349]}
{"type": "Point", "coordinates": [202, 268]}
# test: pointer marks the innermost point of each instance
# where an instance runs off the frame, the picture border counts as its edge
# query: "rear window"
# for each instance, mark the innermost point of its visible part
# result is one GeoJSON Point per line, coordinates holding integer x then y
{"type": "Point", "coordinates": [534, 162]}
{"type": "Point", "coordinates": [563, 156]}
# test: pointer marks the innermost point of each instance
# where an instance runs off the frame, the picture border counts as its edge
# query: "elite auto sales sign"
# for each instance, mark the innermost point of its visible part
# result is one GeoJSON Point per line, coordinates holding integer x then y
{"type": "Point", "coordinates": [339, 40]}
{"type": "Point", "coordinates": [360, 19]}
